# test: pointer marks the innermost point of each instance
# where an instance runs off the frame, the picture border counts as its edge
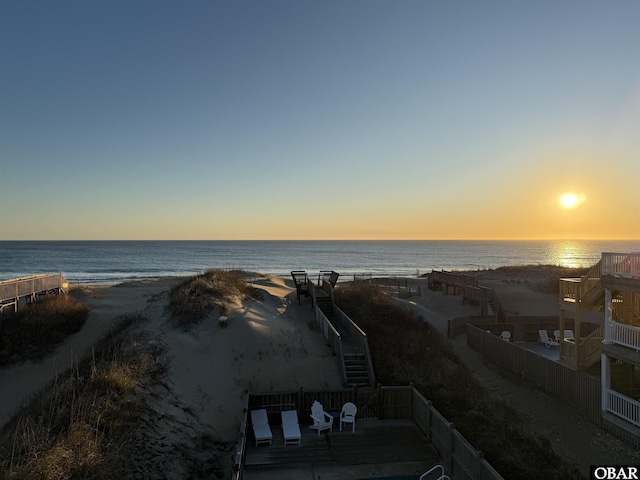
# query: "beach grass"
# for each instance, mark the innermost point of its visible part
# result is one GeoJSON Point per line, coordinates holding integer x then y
{"type": "Point", "coordinates": [35, 330]}
{"type": "Point", "coordinates": [79, 426]}
{"type": "Point", "coordinates": [406, 349]}
{"type": "Point", "coordinates": [191, 300]}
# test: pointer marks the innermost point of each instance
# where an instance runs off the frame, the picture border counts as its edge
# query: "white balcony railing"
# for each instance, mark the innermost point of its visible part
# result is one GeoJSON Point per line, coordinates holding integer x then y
{"type": "Point", "coordinates": [621, 264]}
{"type": "Point", "coordinates": [626, 335]}
{"type": "Point", "coordinates": [623, 406]}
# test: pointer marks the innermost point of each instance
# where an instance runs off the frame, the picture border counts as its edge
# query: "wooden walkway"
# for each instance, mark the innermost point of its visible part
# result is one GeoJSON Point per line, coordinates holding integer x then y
{"type": "Point", "coordinates": [374, 442]}
{"type": "Point", "coordinates": [20, 291]}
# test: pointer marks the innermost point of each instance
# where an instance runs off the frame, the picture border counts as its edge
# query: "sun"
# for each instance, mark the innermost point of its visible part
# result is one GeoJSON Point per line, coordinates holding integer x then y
{"type": "Point", "coordinates": [571, 200]}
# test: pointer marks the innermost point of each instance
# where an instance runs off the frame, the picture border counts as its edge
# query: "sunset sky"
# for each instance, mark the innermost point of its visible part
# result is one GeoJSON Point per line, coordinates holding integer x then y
{"type": "Point", "coordinates": [319, 119]}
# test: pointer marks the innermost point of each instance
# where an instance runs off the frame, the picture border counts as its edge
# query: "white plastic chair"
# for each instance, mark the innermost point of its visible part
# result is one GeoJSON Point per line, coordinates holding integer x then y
{"type": "Point", "coordinates": [543, 337]}
{"type": "Point", "coordinates": [556, 335]}
{"type": "Point", "coordinates": [321, 419]}
{"type": "Point", "coordinates": [506, 335]}
{"type": "Point", "coordinates": [348, 415]}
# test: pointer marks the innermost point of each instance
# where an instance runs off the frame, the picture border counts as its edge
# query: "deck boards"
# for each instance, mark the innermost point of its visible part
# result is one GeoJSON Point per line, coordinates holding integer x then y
{"type": "Point", "coordinates": [374, 442]}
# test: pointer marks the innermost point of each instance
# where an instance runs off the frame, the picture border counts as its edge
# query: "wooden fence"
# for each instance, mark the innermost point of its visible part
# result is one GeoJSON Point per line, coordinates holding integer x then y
{"type": "Point", "coordinates": [581, 391]}
{"type": "Point", "coordinates": [461, 460]}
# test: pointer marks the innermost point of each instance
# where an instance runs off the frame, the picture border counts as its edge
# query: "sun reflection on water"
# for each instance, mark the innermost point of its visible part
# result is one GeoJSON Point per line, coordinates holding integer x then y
{"type": "Point", "coordinates": [570, 254]}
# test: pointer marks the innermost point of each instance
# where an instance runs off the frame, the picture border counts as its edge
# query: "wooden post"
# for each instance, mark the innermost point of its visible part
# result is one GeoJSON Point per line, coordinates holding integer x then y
{"type": "Point", "coordinates": [380, 411]}
{"type": "Point", "coordinates": [300, 399]}
{"type": "Point", "coordinates": [428, 420]}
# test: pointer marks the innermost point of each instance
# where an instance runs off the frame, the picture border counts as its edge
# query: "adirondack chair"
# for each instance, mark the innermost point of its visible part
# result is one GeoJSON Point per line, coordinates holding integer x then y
{"type": "Point", "coordinates": [543, 337]}
{"type": "Point", "coordinates": [321, 419]}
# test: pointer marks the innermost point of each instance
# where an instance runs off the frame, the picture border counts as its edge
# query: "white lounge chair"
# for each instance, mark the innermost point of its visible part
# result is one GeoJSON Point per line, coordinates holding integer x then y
{"type": "Point", "coordinates": [348, 415]}
{"type": "Point", "coordinates": [543, 337]}
{"type": "Point", "coordinates": [506, 335]}
{"type": "Point", "coordinates": [321, 419]}
{"type": "Point", "coordinates": [261, 427]}
{"type": "Point", "coordinates": [290, 427]}
{"type": "Point", "coordinates": [568, 334]}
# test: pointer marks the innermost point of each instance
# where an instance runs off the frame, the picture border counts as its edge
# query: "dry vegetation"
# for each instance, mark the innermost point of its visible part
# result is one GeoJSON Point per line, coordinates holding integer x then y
{"type": "Point", "coordinates": [37, 329]}
{"type": "Point", "coordinates": [193, 299]}
{"type": "Point", "coordinates": [79, 426]}
{"type": "Point", "coordinates": [406, 349]}
{"type": "Point", "coordinates": [543, 278]}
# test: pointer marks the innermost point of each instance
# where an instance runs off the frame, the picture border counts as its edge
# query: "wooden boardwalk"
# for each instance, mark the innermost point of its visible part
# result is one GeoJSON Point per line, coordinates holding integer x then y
{"type": "Point", "coordinates": [20, 291]}
{"type": "Point", "coordinates": [375, 442]}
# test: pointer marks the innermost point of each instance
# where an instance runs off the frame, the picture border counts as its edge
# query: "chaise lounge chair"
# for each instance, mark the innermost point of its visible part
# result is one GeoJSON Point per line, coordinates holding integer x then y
{"type": "Point", "coordinates": [261, 427]}
{"type": "Point", "coordinates": [290, 427]}
{"type": "Point", "coordinates": [568, 335]}
{"type": "Point", "coordinates": [321, 419]}
{"type": "Point", "coordinates": [543, 337]}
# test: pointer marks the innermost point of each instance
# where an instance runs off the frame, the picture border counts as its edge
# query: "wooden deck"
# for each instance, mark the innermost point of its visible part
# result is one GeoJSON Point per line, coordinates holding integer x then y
{"type": "Point", "coordinates": [375, 442]}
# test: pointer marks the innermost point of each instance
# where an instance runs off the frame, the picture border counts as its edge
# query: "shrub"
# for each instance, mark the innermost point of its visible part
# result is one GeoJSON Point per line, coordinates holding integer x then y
{"type": "Point", "coordinates": [191, 300]}
{"type": "Point", "coordinates": [38, 328]}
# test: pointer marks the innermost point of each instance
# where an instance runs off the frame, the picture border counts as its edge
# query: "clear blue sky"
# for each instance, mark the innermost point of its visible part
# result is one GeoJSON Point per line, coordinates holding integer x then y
{"type": "Point", "coordinates": [319, 119]}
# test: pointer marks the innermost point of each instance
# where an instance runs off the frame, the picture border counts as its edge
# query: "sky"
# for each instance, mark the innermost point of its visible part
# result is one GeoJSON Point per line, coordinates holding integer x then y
{"type": "Point", "coordinates": [306, 119]}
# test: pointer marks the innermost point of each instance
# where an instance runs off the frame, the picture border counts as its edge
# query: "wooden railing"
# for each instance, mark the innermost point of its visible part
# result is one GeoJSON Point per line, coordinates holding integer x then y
{"type": "Point", "coordinates": [460, 458]}
{"type": "Point", "coordinates": [623, 407]}
{"type": "Point", "coordinates": [621, 264]}
{"type": "Point", "coordinates": [241, 446]}
{"type": "Point", "coordinates": [334, 339]}
{"type": "Point", "coordinates": [570, 290]}
{"type": "Point", "coordinates": [586, 289]}
{"type": "Point", "coordinates": [358, 338]}
{"type": "Point", "coordinates": [444, 279]}
{"type": "Point", "coordinates": [622, 334]}
{"type": "Point", "coordinates": [591, 347]}
{"type": "Point", "coordinates": [12, 291]}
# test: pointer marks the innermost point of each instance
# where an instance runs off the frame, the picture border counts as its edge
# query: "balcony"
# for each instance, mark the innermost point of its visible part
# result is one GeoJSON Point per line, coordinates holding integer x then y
{"type": "Point", "coordinates": [585, 292]}
{"type": "Point", "coordinates": [621, 271]}
{"type": "Point", "coordinates": [623, 407]}
{"type": "Point", "coordinates": [622, 334]}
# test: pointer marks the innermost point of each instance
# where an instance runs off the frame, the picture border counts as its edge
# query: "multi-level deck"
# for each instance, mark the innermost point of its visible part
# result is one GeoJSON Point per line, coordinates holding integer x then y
{"type": "Point", "coordinates": [621, 345]}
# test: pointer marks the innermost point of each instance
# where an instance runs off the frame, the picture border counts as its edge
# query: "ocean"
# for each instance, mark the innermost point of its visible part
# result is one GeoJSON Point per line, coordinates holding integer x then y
{"type": "Point", "coordinates": [110, 262]}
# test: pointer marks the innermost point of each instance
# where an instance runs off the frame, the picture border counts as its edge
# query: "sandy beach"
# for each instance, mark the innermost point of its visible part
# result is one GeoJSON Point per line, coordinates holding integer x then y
{"type": "Point", "coordinates": [267, 345]}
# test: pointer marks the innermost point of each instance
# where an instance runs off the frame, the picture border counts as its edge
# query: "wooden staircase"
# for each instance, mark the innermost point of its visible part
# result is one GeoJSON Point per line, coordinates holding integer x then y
{"type": "Point", "coordinates": [355, 362]}
{"type": "Point", "coordinates": [592, 294]}
{"type": "Point", "coordinates": [356, 368]}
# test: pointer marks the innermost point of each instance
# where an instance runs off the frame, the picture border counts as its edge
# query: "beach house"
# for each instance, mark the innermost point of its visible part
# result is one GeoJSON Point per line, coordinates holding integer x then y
{"type": "Point", "coordinates": [621, 345]}
{"type": "Point", "coordinates": [600, 322]}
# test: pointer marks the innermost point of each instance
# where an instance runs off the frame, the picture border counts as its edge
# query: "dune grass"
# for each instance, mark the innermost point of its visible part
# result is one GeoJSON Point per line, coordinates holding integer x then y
{"type": "Point", "coordinates": [79, 426]}
{"type": "Point", "coordinates": [35, 330]}
{"type": "Point", "coordinates": [193, 299]}
{"type": "Point", "coordinates": [406, 349]}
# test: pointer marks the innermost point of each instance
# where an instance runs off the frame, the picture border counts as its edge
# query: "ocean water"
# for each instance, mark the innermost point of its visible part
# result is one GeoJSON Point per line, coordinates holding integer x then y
{"type": "Point", "coordinates": [111, 262]}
